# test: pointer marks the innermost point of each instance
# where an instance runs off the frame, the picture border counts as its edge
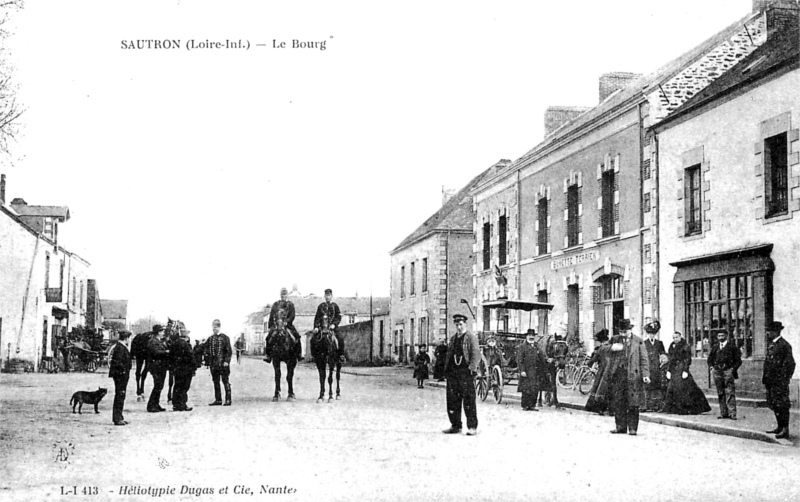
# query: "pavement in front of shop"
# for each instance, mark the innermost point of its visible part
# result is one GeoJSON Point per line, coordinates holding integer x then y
{"type": "Point", "coordinates": [751, 423]}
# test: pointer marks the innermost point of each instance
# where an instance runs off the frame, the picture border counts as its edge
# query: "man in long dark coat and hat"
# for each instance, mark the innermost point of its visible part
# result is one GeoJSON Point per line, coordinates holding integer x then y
{"type": "Point", "coordinates": [531, 365]}
{"type": "Point", "coordinates": [778, 370]}
{"type": "Point", "coordinates": [630, 371]}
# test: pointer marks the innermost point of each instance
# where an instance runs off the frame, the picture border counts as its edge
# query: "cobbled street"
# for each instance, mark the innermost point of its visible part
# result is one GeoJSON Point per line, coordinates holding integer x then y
{"type": "Point", "coordinates": [381, 441]}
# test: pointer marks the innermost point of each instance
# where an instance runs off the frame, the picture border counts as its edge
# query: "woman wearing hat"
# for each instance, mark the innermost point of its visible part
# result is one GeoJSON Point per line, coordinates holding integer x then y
{"type": "Point", "coordinates": [684, 397]}
{"type": "Point", "coordinates": [421, 362]}
{"type": "Point", "coordinates": [598, 396]}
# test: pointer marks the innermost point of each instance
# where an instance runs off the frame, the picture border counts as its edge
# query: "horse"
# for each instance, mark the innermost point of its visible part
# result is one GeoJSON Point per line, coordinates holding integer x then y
{"type": "Point", "coordinates": [324, 350]}
{"type": "Point", "coordinates": [282, 349]}
{"type": "Point", "coordinates": [556, 350]}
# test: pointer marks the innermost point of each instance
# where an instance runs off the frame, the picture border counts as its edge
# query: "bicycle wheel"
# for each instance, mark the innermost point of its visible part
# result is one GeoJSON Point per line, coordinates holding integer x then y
{"type": "Point", "coordinates": [565, 377]}
{"type": "Point", "coordinates": [497, 384]}
{"type": "Point", "coordinates": [586, 381]}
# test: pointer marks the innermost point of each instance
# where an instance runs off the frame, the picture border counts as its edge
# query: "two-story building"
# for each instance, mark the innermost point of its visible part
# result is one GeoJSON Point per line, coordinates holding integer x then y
{"type": "Point", "coordinates": [729, 178]}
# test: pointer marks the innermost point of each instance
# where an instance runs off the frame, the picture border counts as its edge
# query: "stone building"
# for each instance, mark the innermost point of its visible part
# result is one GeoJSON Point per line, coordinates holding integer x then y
{"type": "Point", "coordinates": [573, 221]}
{"type": "Point", "coordinates": [729, 178]}
{"type": "Point", "coordinates": [431, 274]}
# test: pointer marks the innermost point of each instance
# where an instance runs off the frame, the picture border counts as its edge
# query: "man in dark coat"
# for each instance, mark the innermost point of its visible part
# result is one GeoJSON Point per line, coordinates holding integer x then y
{"type": "Point", "coordinates": [440, 354]}
{"type": "Point", "coordinates": [724, 361]}
{"type": "Point", "coordinates": [157, 363]}
{"type": "Point", "coordinates": [778, 370]}
{"type": "Point", "coordinates": [218, 356]}
{"type": "Point", "coordinates": [184, 366]}
{"type": "Point", "coordinates": [531, 366]}
{"type": "Point", "coordinates": [556, 350]}
{"type": "Point", "coordinates": [284, 309]}
{"type": "Point", "coordinates": [656, 353]}
{"type": "Point", "coordinates": [631, 371]}
{"type": "Point", "coordinates": [461, 365]}
{"type": "Point", "coordinates": [119, 368]}
{"type": "Point", "coordinates": [328, 310]}
{"type": "Point", "coordinates": [139, 352]}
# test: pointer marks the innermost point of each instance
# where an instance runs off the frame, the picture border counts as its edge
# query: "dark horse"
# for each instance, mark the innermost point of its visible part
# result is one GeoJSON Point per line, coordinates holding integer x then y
{"type": "Point", "coordinates": [324, 350]}
{"type": "Point", "coordinates": [556, 352]}
{"type": "Point", "coordinates": [173, 330]}
{"type": "Point", "coordinates": [282, 349]}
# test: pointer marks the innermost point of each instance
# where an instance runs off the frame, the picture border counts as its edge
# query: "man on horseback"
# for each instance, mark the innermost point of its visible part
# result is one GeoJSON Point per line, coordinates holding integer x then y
{"type": "Point", "coordinates": [330, 311]}
{"type": "Point", "coordinates": [282, 309]}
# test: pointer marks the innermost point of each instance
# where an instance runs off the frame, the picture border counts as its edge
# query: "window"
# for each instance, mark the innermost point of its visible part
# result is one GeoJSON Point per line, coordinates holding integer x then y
{"type": "Point", "coordinates": [74, 291]}
{"type": "Point", "coordinates": [424, 275]}
{"type": "Point", "coordinates": [80, 298]}
{"type": "Point", "coordinates": [423, 331]}
{"type": "Point", "coordinates": [47, 270]}
{"type": "Point", "coordinates": [776, 180]}
{"type": "Point", "coordinates": [413, 278]}
{"type": "Point", "coordinates": [722, 304]}
{"type": "Point", "coordinates": [694, 222]}
{"type": "Point", "coordinates": [48, 228]}
{"type": "Point", "coordinates": [572, 216]}
{"type": "Point", "coordinates": [403, 281]}
{"type": "Point", "coordinates": [543, 314]}
{"type": "Point", "coordinates": [351, 319]}
{"type": "Point", "coordinates": [646, 203]}
{"type": "Point", "coordinates": [544, 234]}
{"type": "Point", "coordinates": [612, 288]}
{"type": "Point", "coordinates": [648, 253]}
{"type": "Point", "coordinates": [646, 169]}
{"type": "Point", "coordinates": [487, 319]}
{"type": "Point", "coordinates": [503, 244]}
{"type": "Point", "coordinates": [608, 202]}
{"type": "Point", "coordinates": [502, 318]}
{"type": "Point", "coordinates": [648, 290]}
{"type": "Point", "coordinates": [487, 242]}
{"type": "Point", "coordinates": [412, 333]}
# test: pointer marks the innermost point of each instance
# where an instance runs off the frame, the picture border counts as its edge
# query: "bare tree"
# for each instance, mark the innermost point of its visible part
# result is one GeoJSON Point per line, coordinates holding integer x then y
{"type": "Point", "coordinates": [10, 110]}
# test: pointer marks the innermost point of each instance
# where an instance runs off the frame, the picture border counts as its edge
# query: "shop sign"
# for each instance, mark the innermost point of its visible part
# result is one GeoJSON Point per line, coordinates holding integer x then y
{"type": "Point", "coordinates": [577, 259]}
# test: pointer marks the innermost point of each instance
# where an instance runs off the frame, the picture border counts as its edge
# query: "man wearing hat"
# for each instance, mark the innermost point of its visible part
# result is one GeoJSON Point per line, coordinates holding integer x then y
{"type": "Point", "coordinates": [778, 370]}
{"type": "Point", "coordinates": [283, 308]}
{"type": "Point", "coordinates": [157, 364]}
{"type": "Point", "coordinates": [328, 313]}
{"type": "Point", "coordinates": [531, 365]}
{"type": "Point", "coordinates": [631, 371]}
{"type": "Point", "coordinates": [461, 365]}
{"type": "Point", "coordinates": [218, 355]}
{"type": "Point", "coordinates": [119, 368]}
{"type": "Point", "coordinates": [184, 366]}
{"type": "Point", "coordinates": [724, 360]}
{"type": "Point", "coordinates": [555, 352]}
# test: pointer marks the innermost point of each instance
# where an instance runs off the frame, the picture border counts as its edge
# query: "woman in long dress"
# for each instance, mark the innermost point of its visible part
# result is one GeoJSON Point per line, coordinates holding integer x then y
{"type": "Point", "coordinates": [598, 401]}
{"type": "Point", "coordinates": [684, 397]}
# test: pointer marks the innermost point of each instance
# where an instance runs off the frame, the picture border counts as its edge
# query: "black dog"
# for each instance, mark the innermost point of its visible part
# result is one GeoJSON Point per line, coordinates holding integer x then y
{"type": "Point", "coordinates": [84, 396]}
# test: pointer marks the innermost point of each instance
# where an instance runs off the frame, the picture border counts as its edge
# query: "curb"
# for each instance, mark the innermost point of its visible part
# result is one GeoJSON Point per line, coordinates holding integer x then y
{"type": "Point", "coordinates": [671, 421]}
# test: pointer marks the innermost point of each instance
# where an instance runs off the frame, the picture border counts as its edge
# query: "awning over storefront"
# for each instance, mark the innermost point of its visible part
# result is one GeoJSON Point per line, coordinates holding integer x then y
{"type": "Point", "coordinates": [738, 261]}
{"type": "Point", "coordinates": [517, 305]}
{"type": "Point", "coordinates": [60, 313]}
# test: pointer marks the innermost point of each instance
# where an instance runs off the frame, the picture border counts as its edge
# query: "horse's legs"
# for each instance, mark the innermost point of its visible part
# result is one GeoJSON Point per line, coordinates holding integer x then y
{"type": "Point", "coordinates": [320, 361]}
{"type": "Point", "coordinates": [276, 365]}
{"type": "Point", "coordinates": [331, 367]}
{"type": "Point", "coordinates": [170, 385]}
{"type": "Point", "coordinates": [338, 376]}
{"type": "Point", "coordinates": [290, 365]}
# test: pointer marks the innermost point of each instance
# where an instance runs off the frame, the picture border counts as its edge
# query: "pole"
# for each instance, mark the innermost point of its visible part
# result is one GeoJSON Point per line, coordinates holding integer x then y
{"type": "Point", "coordinates": [371, 325]}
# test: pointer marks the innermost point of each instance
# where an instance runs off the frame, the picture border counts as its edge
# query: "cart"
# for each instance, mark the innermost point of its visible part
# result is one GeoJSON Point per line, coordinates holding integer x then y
{"type": "Point", "coordinates": [498, 365]}
{"type": "Point", "coordinates": [83, 358]}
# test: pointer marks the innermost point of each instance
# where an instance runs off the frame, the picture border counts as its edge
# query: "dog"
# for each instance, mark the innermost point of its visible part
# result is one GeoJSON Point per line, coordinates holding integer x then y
{"type": "Point", "coordinates": [84, 396]}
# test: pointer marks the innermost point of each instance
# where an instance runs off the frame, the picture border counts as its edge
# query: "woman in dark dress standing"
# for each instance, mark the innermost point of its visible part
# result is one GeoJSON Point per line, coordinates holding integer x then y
{"type": "Point", "coordinates": [599, 395]}
{"type": "Point", "coordinates": [684, 397]}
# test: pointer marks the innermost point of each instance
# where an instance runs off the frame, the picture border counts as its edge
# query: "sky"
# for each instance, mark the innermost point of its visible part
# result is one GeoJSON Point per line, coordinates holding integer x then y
{"type": "Point", "coordinates": [202, 181]}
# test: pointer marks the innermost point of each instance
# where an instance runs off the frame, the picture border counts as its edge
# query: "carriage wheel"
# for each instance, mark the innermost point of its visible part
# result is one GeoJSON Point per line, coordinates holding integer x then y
{"type": "Point", "coordinates": [497, 384]}
{"type": "Point", "coordinates": [91, 365]}
{"type": "Point", "coordinates": [481, 381]}
{"type": "Point", "coordinates": [586, 381]}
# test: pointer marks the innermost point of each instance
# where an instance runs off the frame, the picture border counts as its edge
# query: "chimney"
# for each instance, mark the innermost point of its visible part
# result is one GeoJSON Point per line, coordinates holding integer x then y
{"type": "Point", "coordinates": [2, 189]}
{"type": "Point", "coordinates": [611, 82]}
{"type": "Point", "coordinates": [447, 194]}
{"type": "Point", "coordinates": [781, 15]}
{"type": "Point", "coordinates": [760, 5]}
{"type": "Point", "coordinates": [556, 116]}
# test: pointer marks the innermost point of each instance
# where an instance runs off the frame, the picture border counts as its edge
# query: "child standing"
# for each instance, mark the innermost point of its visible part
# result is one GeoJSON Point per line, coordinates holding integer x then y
{"type": "Point", "coordinates": [421, 362]}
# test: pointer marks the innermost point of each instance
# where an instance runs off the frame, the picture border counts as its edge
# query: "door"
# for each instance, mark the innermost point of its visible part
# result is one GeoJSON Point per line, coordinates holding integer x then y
{"type": "Point", "coordinates": [572, 313]}
{"type": "Point", "coordinates": [613, 312]}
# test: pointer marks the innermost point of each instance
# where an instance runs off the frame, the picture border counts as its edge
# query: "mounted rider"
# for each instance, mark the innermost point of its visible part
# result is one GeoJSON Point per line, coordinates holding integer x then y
{"type": "Point", "coordinates": [282, 309]}
{"type": "Point", "coordinates": [328, 313]}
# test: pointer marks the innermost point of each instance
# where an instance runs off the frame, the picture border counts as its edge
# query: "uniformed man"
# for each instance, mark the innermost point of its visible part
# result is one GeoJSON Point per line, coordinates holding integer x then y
{"type": "Point", "coordinates": [284, 309]}
{"type": "Point", "coordinates": [157, 363]}
{"type": "Point", "coordinates": [218, 356]}
{"type": "Point", "coordinates": [778, 370]}
{"type": "Point", "coordinates": [119, 368]}
{"type": "Point", "coordinates": [330, 311]}
{"type": "Point", "coordinates": [184, 366]}
{"type": "Point", "coordinates": [461, 366]}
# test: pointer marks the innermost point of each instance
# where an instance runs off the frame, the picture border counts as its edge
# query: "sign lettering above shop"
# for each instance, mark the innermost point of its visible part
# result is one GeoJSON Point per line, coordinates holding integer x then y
{"type": "Point", "coordinates": [571, 261]}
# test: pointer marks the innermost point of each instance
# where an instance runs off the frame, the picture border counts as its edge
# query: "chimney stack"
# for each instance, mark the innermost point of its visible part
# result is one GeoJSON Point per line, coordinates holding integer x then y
{"type": "Point", "coordinates": [760, 5]}
{"type": "Point", "coordinates": [2, 189]}
{"type": "Point", "coordinates": [612, 82]}
{"type": "Point", "coordinates": [556, 116]}
{"type": "Point", "coordinates": [447, 194]}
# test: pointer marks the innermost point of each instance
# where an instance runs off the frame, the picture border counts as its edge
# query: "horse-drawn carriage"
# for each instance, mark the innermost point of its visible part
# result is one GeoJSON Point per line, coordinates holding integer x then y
{"type": "Point", "coordinates": [498, 366]}
{"type": "Point", "coordinates": [83, 357]}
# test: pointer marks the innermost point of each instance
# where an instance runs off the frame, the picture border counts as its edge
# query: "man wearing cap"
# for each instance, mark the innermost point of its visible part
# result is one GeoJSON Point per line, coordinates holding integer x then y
{"type": "Point", "coordinates": [778, 370]}
{"type": "Point", "coordinates": [461, 366]}
{"type": "Point", "coordinates": [283, 308]}
{"type": "Point", "coordinates": [218, 355]}
{"type": "Point", "coordinates": [531, 365]}
{"type": "Point", "coordinates": [724, 361]}
{"type": "Point", "coordinates": [157, 364]}
{"type": "Point", "coordinates": [184, 366]}
{"type": "Point", "coordinates": [139, 352]}
{"type": "Point", "coordinates": [119, 368]}
{"type": "Point", "coordinates": [328, 312]}
{"type": "Point", "coordinates": [630, 371]}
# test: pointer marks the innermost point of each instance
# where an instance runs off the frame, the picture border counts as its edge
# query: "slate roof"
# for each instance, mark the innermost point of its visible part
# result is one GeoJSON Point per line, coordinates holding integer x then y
{"type": "Point", "coordinates": [114, 309]}
{"type": "Point", "coordinates": [781, 49]}
{"type": "Point", "coordinates": [24, 209]}
{"type": "Point", "coordinates": [455, 214]}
